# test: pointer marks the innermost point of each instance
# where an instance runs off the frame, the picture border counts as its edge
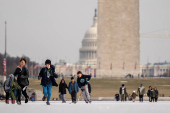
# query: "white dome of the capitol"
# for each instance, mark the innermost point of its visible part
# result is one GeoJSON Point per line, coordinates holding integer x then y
{"type": "Point", "coordinates": [88, 52]}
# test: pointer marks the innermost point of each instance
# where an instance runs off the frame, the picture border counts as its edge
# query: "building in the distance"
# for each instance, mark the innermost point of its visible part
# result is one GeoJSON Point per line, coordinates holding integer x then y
{"type": "Point", "coordinates": [88, 51]}
{"type": "Point", "coordinates": [161, 69]}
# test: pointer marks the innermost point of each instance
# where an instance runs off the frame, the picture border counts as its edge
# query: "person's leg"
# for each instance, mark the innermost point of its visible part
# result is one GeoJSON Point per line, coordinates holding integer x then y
{"type": "Point", "coordinates": [87, 92]}
{"type": "Point", "coordinates": [123, 97]}
{"type": "Point", "coordinates": [84, 95]}
{"type": "Point", "coordinates": [142, 97]}
{"type": "Point", "coordinates": [139, 98]}
{"type": "Point", "coordinates": [45, 91]}
{"type": "Point", "coordinates": [49, 86]}
{"type": "Point", "coordinates": [7, 98]}
{"type": "Point", "coordinates": [19, 95]}
{"type": "Point", "coordinates": [24, 92]}
{"type": "Point", "coordinates": [156, 99]}
{"type": "Point", "coordinates": [72, 96]}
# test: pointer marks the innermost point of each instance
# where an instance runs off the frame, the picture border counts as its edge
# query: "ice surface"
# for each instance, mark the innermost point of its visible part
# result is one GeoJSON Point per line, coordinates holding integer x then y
{"type": "Point", "coordinates": [82, 107]}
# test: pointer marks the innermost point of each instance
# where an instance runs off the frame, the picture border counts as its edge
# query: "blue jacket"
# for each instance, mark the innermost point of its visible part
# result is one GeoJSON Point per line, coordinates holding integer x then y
{"type": "Point", "coordinates": [75, 87]}
{"type": "Point", "coordinates": [43, 74]}
{"type": "Point", "coordinates": [82, 80]}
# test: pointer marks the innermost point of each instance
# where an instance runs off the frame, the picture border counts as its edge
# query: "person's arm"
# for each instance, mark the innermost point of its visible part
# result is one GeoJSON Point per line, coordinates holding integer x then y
{"type": "Point", "coordinates": [15, 72]}
{"type": "Point", "coordinates": [59, 89]}
{"type": "Point", "coordinates": [77, 87]}
{"type": "Point", "coordinates": [88, 78]}
{"type": "Point", "coordinates": [26, 74]}
{"type": "Point", "coordinates": [40, 74]}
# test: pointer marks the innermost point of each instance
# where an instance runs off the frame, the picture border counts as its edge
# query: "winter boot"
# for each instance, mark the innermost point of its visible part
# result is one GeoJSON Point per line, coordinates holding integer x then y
{"type": "Point", "coordinates": [48, 103]}
{"type": "Point", "coordinates": [13, 101]}
{"type": "Point", "coordinates": [44, 97]}
{"type": "Point", "coordinates": [7, 101]}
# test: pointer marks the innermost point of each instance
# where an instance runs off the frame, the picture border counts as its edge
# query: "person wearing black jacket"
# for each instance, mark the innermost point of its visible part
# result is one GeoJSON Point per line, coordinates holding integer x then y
{"type": "Point", "coordinates": [22, 79]}
{"type": "Point", "coordinates": [149, 93]}
{"type": "Point", "coordinates": [83, 81]}
{"type": "Point", "coordinates": [48, 76]}
{"type": "Point", "coordinates": [156, 96]}
{"type": "Point", "coordinates": [62, 90]}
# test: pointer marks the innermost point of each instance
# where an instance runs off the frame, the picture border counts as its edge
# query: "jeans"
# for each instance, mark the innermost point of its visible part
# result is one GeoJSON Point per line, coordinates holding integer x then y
{"type": "Point", "coordinates": [47, 90]}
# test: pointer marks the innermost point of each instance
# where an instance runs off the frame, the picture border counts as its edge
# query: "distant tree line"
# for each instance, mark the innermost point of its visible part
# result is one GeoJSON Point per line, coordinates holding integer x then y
{"type": "Point", "coordinates": [13, 62]}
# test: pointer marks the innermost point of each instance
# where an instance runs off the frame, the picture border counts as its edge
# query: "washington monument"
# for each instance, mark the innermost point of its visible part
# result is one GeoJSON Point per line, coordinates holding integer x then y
{"type": "Point", "coordinates": [118, 43]}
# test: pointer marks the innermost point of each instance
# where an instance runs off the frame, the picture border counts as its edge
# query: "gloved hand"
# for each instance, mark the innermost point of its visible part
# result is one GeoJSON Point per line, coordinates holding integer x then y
{"type": "Point", "coordinates": [39, 77]}
{"type": "Point", "coordinates": [82, 88]}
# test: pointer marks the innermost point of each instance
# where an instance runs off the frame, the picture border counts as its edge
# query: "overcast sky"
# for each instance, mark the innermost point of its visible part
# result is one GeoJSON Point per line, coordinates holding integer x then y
{"type": "Point", "coordinates": [54, 29]}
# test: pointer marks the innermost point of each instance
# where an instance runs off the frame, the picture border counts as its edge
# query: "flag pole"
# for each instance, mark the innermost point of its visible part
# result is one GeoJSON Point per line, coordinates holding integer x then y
{"type": "Point", "coordinates": [5, 45]}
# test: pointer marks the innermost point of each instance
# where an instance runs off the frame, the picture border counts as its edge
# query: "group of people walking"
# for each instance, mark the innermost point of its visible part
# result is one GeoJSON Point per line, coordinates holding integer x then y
{"type": "Point", "coordinates": [152, 94]}
{"type": "Point", "coordinates": [17, 83]}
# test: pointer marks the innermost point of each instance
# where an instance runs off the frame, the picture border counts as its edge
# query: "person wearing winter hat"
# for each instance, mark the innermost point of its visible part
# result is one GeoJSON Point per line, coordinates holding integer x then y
{"type": "Point", "coordinates": [22, 79]}
{"type": "Point", "coordinates": [47, 76]}
{"type": "Point", "coordinates": [73, 89]}
{"type": "Point", "coordinates": [133, 96]}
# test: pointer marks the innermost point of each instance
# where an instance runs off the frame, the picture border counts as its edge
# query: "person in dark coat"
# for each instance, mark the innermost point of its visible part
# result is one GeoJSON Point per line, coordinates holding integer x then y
{"type": "Point", "coordinates": [156, 96]}
{"type": "Point", "coordinates": [47, 76]}
{"type": "Point", "coordinates": [83, 81]}
{"type": "Point", "coordinates": [153, 95]}
{"type": "Point", "coordinates": [22, 79]}
{"type": "Point", "coordinates": [122, 92]}
{"type": "Point", "coordinates": [73, 89]}
{"type": "Point", "coordinates": [149, 93]}
{"type": "Point", "coordinates": [117, 96]}
{"type": "Point", "coordinates": [62, 90]}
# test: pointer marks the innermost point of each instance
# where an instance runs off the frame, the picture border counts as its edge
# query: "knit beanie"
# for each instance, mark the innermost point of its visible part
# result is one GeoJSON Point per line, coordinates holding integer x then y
{"type": "Point", "coordinates": [48, 62]}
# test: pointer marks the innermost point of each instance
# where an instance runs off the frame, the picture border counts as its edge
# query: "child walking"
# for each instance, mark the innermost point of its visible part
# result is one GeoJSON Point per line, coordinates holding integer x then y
{"type": "Point", "coordinates": [73, 89]}
{"type": "Point", "coordinates": [153, 95]}
{"type": "Point", "coordinates": [133, 96]}
{"type": "Point", "coordinates": [62, 90]}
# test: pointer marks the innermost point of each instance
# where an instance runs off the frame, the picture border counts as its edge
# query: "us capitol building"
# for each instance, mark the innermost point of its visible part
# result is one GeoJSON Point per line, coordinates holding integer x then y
{"type": "Point", "coordinates": [88, 51]}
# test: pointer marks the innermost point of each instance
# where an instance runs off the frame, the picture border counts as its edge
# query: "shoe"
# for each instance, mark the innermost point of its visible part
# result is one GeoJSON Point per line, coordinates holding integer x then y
{"type": "Point", "coordinates": [7, 101]}
{"type": "Point", "coordinates": [19, 103]}
{"type": "Point", "coordinates": [89, 101]}
{"type": "Point", "coordinates": [64, 102]}
{"type": "Point", "coordinates": [48, 103]}
{"type": "Point", "coordinates": [44, 97]}
{"type": "Point", "coordinates": [86, 101]}
{"type": "Point", "coordinates": [13, 101]}
{"type": "Point", "coordinates": [26, 100]}
{"type": "Point", "coordinates": [74, 102]}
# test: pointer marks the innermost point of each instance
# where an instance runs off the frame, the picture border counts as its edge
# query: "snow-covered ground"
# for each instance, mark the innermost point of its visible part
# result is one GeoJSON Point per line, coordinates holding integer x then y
{"type": "Point", "coordinates": [82, 107]}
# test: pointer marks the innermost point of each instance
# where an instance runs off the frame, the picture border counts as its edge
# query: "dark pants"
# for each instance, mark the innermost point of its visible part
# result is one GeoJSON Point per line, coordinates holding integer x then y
{"type": "Point", "coordinates": [153, 99]}
{"type": "Point", "coordinates": [7, 96]}
{"type": "Point", "coordinates": [141, 98]}
{"type": "Point", "coordinates": [156, 99]}
{"type": "Point", "coordinates": [73, 96]}
{"type": "Point", "coordinates": [23, 92]}
{"type": "Point", "coordinates": [117, 98]}
{"type": "Point", "coordinates": [149, 99]}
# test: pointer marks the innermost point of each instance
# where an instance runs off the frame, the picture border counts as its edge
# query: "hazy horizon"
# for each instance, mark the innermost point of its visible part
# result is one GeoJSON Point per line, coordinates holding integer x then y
{"type": "Point", "coordinates": [54, 29]}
